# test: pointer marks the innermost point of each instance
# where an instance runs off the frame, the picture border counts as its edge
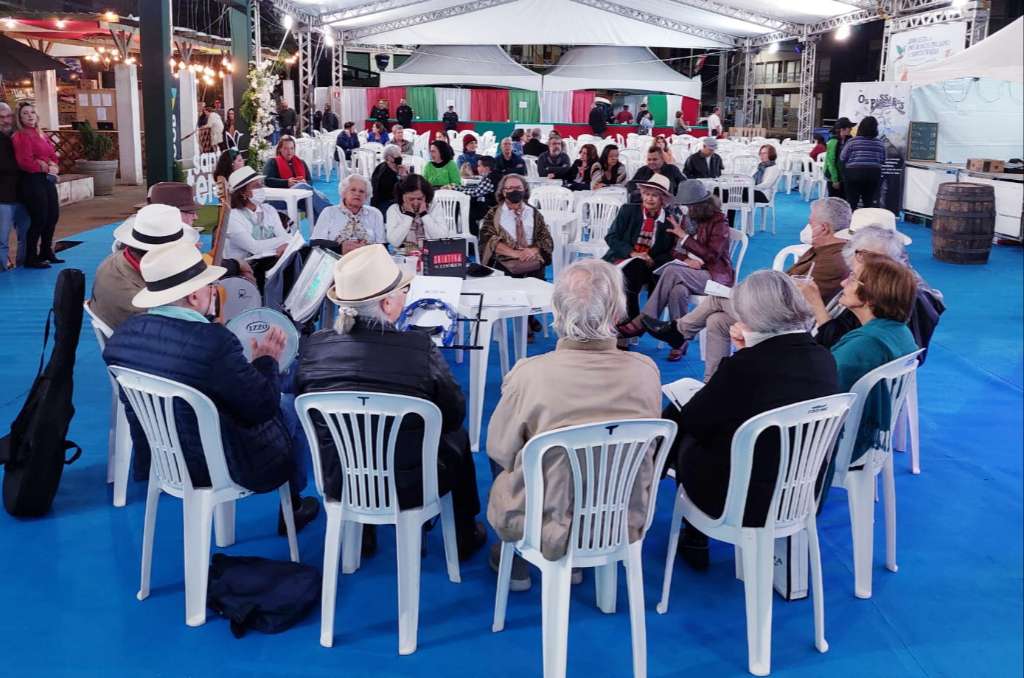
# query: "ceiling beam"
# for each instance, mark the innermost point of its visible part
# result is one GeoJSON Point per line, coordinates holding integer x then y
{"type": "Point", "coordinates": [367, 9]}
{"type": "Point", "coordinates": [426, 17]}
{"type": "Point", "coordinates": [662, 22]}
{"type": "Point", "coordinates": [741, 14]}
{"type": "Point", "coordinates": [300, 13]}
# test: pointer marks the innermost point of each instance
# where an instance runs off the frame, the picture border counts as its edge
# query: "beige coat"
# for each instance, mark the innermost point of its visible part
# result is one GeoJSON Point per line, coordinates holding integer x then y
{"type": "Point", "coordinates": [116, 284]}
{"type": "Point", "coordinates": [578, 383]}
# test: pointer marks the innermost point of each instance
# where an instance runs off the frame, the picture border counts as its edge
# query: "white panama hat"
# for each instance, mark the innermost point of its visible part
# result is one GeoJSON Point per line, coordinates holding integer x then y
{"type": "Point", "coordinates": [154, 226]}
{"type": "Point", "coordinates": [366, 274]}
{"type": "Point", "coordinates": [172, 272]}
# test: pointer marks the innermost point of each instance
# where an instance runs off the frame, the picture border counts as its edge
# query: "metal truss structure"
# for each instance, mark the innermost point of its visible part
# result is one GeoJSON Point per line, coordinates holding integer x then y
{"type": "Point", "coordinates": [974, 13]}
{"type": "Point", "coordinates": [805, 111]}
{"type": "Point", "coordinates": [742, 14]}
{"type": "Point", "coordinates": [255, 39]}
{"type": "Point", "coordinates": [306, 38]}
{"type": "Point", "coordinates": [369, 9]}
{"type": "Point", "coordinates": [747, 105]}
{"type": "Point", "coordinates": [426, 17]}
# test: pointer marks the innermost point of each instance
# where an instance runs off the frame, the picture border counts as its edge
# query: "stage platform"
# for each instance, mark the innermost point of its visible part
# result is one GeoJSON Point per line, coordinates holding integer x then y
{"type": "Point", "coordinates": [954, 608]}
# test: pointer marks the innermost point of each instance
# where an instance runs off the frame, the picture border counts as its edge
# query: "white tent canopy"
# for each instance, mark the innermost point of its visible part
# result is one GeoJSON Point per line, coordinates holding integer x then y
{"type": "Point", "coordinates": [997, 57]}
{"type": "Point", "coordinates": [618, 68]}
{"type": "Point", "coordinates": [655, 23]}
{"type": "Point", "coordinates": [482, 65]}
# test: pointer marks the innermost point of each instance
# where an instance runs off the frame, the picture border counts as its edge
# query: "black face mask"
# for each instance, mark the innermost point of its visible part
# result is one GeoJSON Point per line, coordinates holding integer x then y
{"type": "Point", "coordinates": [398, 160]}
{"type": "Point", "coordinates": [515, 196]}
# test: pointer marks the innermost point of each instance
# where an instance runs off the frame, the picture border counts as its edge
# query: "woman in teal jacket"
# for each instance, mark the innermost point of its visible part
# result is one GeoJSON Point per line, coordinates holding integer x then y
{"type": "Point", "coordinates": [880, 292]}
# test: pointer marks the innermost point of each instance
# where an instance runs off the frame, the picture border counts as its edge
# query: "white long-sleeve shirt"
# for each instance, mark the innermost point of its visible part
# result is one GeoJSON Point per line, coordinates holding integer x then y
{"type": "Point", "coordinates": [240, 241]}
{"type": "Point", "coordinates": [334, 219]}
{"type": "Point", "coordinates": [714, 123]}
{"type": "Point", "coordinates": [434, 228]}
{"type": "Point", "coordinates": [770, 178]}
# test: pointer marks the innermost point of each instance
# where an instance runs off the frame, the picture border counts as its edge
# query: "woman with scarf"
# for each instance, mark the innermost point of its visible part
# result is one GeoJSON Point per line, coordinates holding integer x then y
{"type": "Point", "coordinates": [352, 223]}
{"type": "Point", "coordinates": [608, 171]}
{"type": "Point", "coordinates": [702, 250]}
{"type": "Point", "coordinates": [766, 176]}
{"type": "Point", "coordinates": [469, 160]}
{"type": "Point", "coordinates": [441, 171]}
{"type": "Point", "coordinates": [639, 241]}
{"type": "Point", "coordinates": [409, 222]}
{"type": "Point", "coordinates": [287, 170]}
{"type": "Point", "coordinates": [578, 176]}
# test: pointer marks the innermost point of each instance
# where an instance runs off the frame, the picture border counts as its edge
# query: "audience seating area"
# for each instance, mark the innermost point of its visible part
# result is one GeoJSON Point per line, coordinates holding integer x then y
{"type": "Point", "coordinates": [959, 520]}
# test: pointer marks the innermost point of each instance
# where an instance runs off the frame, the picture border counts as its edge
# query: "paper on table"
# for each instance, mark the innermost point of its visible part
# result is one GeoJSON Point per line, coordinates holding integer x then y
{"type": "Point", "coordinates": [714, 289]}
{"type": "Point", "coordinates": [507, 298]}
{"type": "Point", "coordinates": [679, 392]}
{"type": "Point", "coordinates": [294, 245]}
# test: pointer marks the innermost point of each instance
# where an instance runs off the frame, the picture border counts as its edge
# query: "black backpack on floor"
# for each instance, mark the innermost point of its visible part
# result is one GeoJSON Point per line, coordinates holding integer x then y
{"type": "Point", "coordinates": [35, 450]}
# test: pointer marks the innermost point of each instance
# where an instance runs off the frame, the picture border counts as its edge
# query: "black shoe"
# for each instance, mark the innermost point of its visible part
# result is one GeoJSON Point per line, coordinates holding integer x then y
{"type": "Point", "coordinates": [664, 331]}
{"type": "Point", "coordinates": [303, 514]}
{"type": "Point", "coordinates": [369, 541]}
{"type": "Point", "coordinates": [52, 259]}
{"type": "Point", "coordinates": [470, 540]}
{"type": "Point", "coordinates": [693, 548]}
{"type": "Point", "coordinates": [36, 263]}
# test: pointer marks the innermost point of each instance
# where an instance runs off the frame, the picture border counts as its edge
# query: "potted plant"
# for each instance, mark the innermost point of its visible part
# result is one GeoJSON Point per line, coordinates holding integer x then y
{"type": "Point", "coordinates": [97, 163]}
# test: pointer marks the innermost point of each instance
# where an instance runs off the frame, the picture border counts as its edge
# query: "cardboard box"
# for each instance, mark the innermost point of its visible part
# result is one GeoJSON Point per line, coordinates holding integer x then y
{"type": "Point", "coordinates": [985, 165]}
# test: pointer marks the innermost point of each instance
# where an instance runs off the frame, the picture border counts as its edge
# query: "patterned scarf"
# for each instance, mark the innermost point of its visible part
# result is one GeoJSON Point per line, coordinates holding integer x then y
{"type": "Point", "coordinates": [520, 230]}
{"type": "Point", "coordinates": [646, 237]}
{"type": "Point", "coordinates": [260, 229]}
{"type": "Point", "coordinates": [354, 229]}
{"type": "Point", "coordinates": [417, 233]}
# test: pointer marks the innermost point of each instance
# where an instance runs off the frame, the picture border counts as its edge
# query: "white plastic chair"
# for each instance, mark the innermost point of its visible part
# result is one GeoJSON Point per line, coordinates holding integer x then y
{"type": "Point", "coordinates": [734, 187]}
{"type": "Point", "coordinates": [605, 459]}
{"type": "Point", "coordinates": [807, 432]}
{"type": "Point", "coordinates": [364, 160]}
{"type": "Point", "coordinates": [453, 207]}
{"type": "Point", "coordinates": [598, 213]}
{"type": "Point", "coordinates": [415, 162]}
{"type": "Point", "coordinates": [814, 178]}
{"type": "Point", "coordinates": [780, 263]}
{"type": "Point", "coordinates": [858, 476]}
{"type": "Point", "coordinates": [119, 440]}
{"type": "Point", "coordinates": [745, 164]}
{"type": "Point", "coordinates": [553, 198]}
{"type": "Point", "coordinates": [531, 166]}
{"type": "Point", "coordinates": [909, 427]}
{"type": "Point", "coordinates": [764, 207]}
{"type": "Point", "coordinates": [152, 400]}
{"type": "Point", "coordinates": [364, 427]}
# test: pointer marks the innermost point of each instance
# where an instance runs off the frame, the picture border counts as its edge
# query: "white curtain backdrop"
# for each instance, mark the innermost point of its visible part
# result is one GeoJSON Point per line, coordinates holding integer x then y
{"type": "Point", "coordinates": [555, 106]}
{"type": "Point", "coordinates": [675, 104]}
{"type": "Point", "coordinates": [353, 105]}
{"type": "Point", "coordinates": [458, 96]}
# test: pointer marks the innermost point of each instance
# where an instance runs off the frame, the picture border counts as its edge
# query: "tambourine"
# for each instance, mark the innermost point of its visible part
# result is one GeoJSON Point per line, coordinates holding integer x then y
{"type": "Point", "coordinates": [447, 332]}
{"type": "Point", "coordinates": [255, 323]}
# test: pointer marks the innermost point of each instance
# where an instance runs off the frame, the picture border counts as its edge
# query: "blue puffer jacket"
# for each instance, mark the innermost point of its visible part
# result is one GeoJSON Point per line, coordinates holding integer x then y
{"type": "Point", "coordinates": [209, 358]}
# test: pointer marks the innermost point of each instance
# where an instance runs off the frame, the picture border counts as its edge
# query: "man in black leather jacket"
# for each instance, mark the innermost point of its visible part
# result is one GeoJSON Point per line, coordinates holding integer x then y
{"type": "Point", "coordinates": [365, 352]}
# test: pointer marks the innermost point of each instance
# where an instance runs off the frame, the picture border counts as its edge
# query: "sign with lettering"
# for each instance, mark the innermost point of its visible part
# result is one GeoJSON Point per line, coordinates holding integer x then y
{"type": "Point", "coordinates": [889, 102]}
{"type": "Point", "coordinates": [924, 141]}
{"type": "Point", "coordinates": [200, 177]}
{"type": "Point", "coordinates": [446, 257]}
{"type": "Point", "coordinates": [924, 45]}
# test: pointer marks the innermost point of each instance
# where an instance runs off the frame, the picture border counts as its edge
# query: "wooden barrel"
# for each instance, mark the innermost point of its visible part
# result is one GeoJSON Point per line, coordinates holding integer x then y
{"type": "Point", "coordinates": [964, 223]}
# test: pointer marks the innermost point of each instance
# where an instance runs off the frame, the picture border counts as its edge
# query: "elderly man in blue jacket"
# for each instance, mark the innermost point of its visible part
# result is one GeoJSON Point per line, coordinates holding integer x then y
{"type": "Point", "coordinates": [175, 339]}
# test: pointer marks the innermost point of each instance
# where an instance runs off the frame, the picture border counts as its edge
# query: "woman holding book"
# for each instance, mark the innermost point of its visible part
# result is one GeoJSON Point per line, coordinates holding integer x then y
{"type": "Point", "coordinates": [700, 254]}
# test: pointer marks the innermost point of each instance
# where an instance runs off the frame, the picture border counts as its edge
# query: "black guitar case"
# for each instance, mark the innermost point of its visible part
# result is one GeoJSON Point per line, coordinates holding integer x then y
{"type": "Point", "coordinates": [35, 450]}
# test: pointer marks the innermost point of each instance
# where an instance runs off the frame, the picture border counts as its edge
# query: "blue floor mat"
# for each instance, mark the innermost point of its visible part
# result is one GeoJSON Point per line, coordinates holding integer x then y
{"type": "Point", "coordinates": [953, 609]}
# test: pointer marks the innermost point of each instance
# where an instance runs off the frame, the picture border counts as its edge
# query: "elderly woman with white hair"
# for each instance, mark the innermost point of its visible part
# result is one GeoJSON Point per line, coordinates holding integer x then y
{"type": "Point", "coordinates": [584, 380]}
{"type": "Point", "coordinates": [364, 351]}
{"type": "Point", "coordinates": [833, 320]}
{"type": "Point", "coordinates": [353, 223]}
{"type": "Point", "coordinates": [778, 363]}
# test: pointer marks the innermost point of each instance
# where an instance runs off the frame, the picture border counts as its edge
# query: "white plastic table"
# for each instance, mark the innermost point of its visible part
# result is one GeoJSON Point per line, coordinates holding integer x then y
{"type": "Point", "coordinates": [291, 198]}
{"type": "Point", "coordinates": [538, 293]}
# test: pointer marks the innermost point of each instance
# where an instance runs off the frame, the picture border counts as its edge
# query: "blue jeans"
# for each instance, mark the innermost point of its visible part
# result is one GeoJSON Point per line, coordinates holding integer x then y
{"type": "Point", "coordinates": [12, 214]}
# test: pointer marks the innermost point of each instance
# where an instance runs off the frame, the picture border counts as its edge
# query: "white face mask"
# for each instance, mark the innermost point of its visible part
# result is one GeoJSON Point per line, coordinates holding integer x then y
{"type": "Point", "coordinates": [259, 195]}
{"type": "Point", "coordinates": [806, 234]}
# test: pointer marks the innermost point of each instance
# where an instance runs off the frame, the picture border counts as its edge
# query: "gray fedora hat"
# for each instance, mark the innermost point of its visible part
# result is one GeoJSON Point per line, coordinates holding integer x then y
{"type": "Point", "coordinates": [691, 192]}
